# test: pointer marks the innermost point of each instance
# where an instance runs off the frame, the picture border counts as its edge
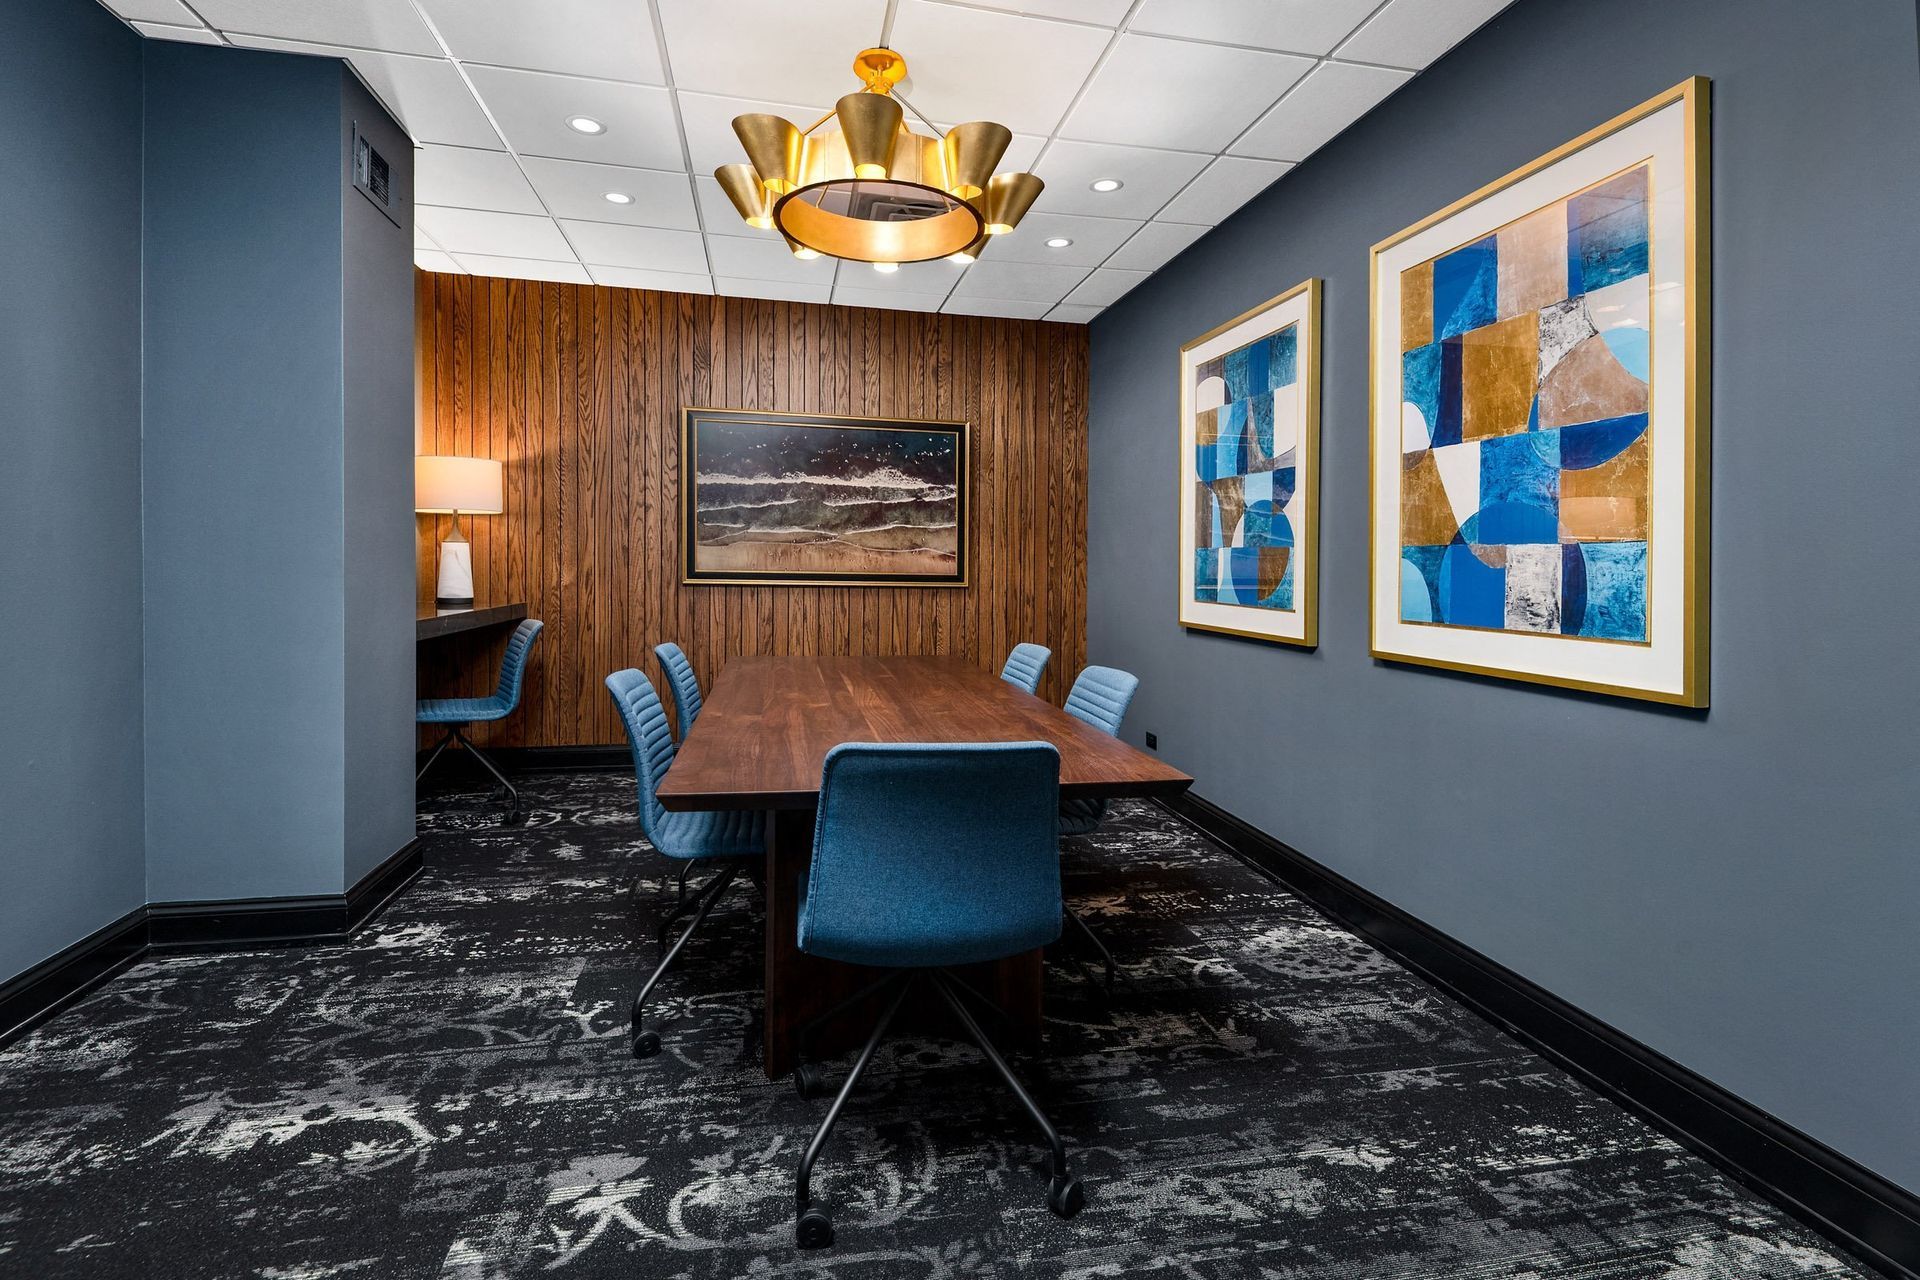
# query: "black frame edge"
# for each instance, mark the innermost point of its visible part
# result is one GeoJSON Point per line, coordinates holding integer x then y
{"type": "Point", "coordinates": [1872, 1218]}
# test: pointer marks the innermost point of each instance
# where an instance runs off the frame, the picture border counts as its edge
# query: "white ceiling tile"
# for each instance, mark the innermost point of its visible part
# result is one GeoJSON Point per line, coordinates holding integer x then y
{"type": "Point", "coordinates": [1105, 286]}
{"type": "Point", "coordinates": [665, 281]}
{"type": "Point", "coordinates": [500, 235]}
{"type": "Point", "coordinates": [533, 109]}
{"type": "Point", "coordinates": [971, 64]}
{"type": "Point", "coordinates": [717, 214]}
{"type": "Point", "coordinates": [611, 39]}
{"type": "Point", "coordinates": [183, 35]}
{"type": "Point", "coordinates": [470, 179]}
{"type": "Point", "coordinates": [1018, 281]}
{"type": "Point", "coordinates": [1222, 187]}
{"type": "Point", "coordinates": [1148, 93]}
{"type": "Point", "coordinates": [427, 94]}
{"type": "Point", "coordinates": [390, 26]}
{"type": "Point", "coordinates": [1106, 13]}
{"type": "Point", "coordinates": [770, 48]}
{"type": "Point", "coordinates": [1073, 313]}
{"type": "Point", "coordinates": [481, 264]}
{"type": "Point", "coordinates": [1327, 101]}
{"type": "Point", "coordinates": [650, 248]}
{"type": "Point", "coordinates": [777, 290]}
{"type": "Point", "coordinates": [1151, 177]}
{"type": "Point", "coordinates": [1296, 26]}
{"type": "Point", "coordinates": [1093, 239]}
{"type": "Point", "coordinates": [711, 141]}
{"type": "Point", "coordinates": [913, 277]}
{"type": "Point", "coordinates": [573, 189]}
{"type": "Point", "coordinates": [1006, 308]}
{"type": "Point", "coordinates": [171, 12]}
{"type": "Point", "coordinates": [766, 259]}
{"type": "Point", "coordinates": [434, 260]}
{"type": "Point", "coordinates": [1412, 33]}
{"type": "Point", "coordinates": [1155, 245]}
{"type": "Point", "coordinates": [846, 296]}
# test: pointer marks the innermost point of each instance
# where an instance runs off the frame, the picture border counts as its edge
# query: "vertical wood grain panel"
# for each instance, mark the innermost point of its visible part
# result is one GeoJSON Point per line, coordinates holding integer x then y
{"type": "Point", "coordinates": [578, 389]}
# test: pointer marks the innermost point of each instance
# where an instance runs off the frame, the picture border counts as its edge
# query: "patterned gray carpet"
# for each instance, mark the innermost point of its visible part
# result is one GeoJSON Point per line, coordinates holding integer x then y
{"type": "Point", "coordinates": [451, 1096]}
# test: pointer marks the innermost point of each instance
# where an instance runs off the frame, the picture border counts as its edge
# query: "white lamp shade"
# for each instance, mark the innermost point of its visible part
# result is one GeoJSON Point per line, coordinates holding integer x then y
{"type": "Point", "coordinates": [442, 484]}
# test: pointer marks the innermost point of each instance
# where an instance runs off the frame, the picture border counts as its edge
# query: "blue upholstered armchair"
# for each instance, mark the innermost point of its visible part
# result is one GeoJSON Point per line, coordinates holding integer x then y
{"type": "Point", "coordinates": [458, 713]}
{"type": "Point", "coordinates": [1025, 666]}
{"type": "Point", "coordinates": [684, 684]}
{"type": "Point", "coordinates": [1100, 696]}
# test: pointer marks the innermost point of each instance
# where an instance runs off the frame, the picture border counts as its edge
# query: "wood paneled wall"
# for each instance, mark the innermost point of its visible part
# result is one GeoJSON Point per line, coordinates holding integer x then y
{"type": "Point", "coordinates": [579, 390]}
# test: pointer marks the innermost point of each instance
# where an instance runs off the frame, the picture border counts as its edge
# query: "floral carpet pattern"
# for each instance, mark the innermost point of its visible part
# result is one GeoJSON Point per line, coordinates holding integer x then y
{"type": "Point", "coordinates": [451, 1095]}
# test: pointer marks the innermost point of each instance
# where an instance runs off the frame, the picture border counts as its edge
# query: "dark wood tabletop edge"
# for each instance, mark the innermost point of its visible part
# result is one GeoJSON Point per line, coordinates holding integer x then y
{"type": "Point", "coordinates": [697, 801]}
{"type": "Point", "coordinates": [433, 626]}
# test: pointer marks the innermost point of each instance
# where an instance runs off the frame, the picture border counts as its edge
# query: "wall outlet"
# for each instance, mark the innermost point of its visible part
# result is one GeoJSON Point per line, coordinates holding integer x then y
{"type": "Point", "coordinates": [1153, 742]}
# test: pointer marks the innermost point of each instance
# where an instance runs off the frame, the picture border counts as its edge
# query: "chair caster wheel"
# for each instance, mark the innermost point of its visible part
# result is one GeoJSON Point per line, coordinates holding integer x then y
{"type": "Point", "coordinates": [814, 1230]}
{"type": "Point", "coordinates": [1065, 1198]}
{"type": "Point", "coordinates": [809, 1081]}
{"type": "Point", "coordinates": [514, 818]}
{"type": "Point", "coordinates": [646, 1044]}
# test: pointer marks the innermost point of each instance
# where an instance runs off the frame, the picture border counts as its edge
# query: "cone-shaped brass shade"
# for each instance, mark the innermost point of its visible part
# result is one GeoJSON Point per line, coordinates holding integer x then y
{"type": "Point", "coordinates": [773, 145]}
{"type": "Point", "coordinates": [870, 123]}
{"type": "Point", "coordinates": [798, 250]}
{"type": "Point", "coordinates": [971, 253]}
{"type": "Point", "coordinates": [1009, 196]}
{"type": "Point", "coordinates": [742, 186]}
{"type": "Point", "coordinates": [970, 151]}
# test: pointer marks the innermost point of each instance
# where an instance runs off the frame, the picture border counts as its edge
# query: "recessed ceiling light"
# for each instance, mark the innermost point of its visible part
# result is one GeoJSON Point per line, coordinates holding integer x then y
{"type": "Point", "coordinates": [618, 197]}
{"type": "Point", "coordinates": [886, 268]}
{"type": "Point", "coordinates": [1104, 185]}
{"type": "Point", "coordinates": [1058, 242]}
{"type": "Point", "coordinates": [585, 124]}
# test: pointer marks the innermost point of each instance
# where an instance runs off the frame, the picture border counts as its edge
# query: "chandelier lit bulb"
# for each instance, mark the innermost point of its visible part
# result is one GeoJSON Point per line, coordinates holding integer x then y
{"type": "Point", "coordinates": [859, 184]}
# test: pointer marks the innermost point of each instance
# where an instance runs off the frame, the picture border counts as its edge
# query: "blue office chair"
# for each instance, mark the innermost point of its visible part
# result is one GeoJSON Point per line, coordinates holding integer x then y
{"type": "Point", "coordinates": [926, 856]}
{"type": "Point", "coordinates": [726, 836]}
{"type": "Point", "coordinates": [457, 713]}
{"type": "Point", "coordinates": [1026, 665]}
{"type": "Point", "coordinates": [1100, 696]}
{"type": "Point", "coordinates": [684, 684]}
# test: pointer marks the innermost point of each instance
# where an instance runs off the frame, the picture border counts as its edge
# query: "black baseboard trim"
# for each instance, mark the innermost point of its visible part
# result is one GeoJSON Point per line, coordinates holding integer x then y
{"type": "Point", "coordinates": [517, 760]}
{"type": "Point", "coordinates": [1864, 1213]}
{"type": "Point", "coordinates": [174, 928]}
{"type": "Point", "coordinates": [30, 998]}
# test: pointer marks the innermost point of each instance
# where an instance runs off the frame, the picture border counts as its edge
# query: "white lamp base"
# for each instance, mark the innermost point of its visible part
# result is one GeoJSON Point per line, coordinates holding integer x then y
{"type": "Point", "coordinates": [456, 576]}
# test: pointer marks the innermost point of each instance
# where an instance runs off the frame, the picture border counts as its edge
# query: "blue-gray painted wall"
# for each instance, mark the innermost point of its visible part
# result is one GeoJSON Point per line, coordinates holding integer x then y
{"type": "Point", "coordinates": [70, 730]}
{"type": "Point", "coordinates": [1736, 888]}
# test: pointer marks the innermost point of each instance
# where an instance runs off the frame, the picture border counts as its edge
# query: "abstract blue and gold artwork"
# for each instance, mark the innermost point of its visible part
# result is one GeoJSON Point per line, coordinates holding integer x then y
{"type": "Point", "coordinates": [1532, 488]}
{"type": "Point", "coordinates": [1248, 453]}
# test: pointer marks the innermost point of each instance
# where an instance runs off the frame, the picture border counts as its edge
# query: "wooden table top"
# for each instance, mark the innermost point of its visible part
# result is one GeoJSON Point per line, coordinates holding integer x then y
{"type": "Point", "coordinates": [447, 622]}
{"type": "Point", "coordinates": [766, 727]}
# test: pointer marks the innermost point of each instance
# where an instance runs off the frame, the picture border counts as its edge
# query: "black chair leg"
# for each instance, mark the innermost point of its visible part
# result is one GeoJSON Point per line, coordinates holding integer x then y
{"type": "Point", "coordinates": [680, 908]}
{"type": "Point", "coordinates": [1106, 956]}
{"type": "Point", "coordinates": [1064, 1194]}
{"type": "Point", "coordinates": [647, 1043]}
{"type": "Point", "coordinates": [809, 1081]}
{"type": "Point", "coordinates": [438, 748]}
{"type": "Point", "coordinates": [813, 1229]}
{"type": "Point", "coordinates": [513, 795]}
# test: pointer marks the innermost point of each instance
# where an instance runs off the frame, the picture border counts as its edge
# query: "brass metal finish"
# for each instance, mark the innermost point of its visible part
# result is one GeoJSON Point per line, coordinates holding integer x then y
{"type": "Point", "coordinates": [861, 240]}
{"type": "Point", "coordinates": [774, 146]}
{"type": "Point", "coordinates": [1009, 196]}
{"type": "Point", "coordinates": [970, 151]}
{"type": "Point", "coordinates": [870, 126]}
{"type": "Point", "coordinates": [880, 69]}
{"type": "Point", "coordinates": [744, 188]}
{"type": "Point", "coordinates": [971, 253]}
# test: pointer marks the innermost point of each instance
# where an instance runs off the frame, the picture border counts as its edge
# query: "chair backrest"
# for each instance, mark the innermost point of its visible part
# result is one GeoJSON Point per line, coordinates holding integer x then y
{"type": "Point", "coordinates": [1100, 696]}
{"type": "Point", "coordinates": [681, 680]}
{"type": "Point", "coordinates": [513, 665]}
{"type": "Point", "coordinates": [1025, 665]}
{"type": "Point", "coordinates": [647, 733]}
{"type": "Point", "coordinates": [934, 853]}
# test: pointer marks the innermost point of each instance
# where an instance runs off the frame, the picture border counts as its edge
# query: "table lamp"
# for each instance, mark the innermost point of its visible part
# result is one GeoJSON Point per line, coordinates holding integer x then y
{"type": "Point", "coordinates": [447, 486]}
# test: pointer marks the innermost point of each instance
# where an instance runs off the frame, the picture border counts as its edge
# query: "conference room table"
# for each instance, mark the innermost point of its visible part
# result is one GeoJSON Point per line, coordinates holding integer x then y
{"type": "Point", "coordinates": [760, 741]}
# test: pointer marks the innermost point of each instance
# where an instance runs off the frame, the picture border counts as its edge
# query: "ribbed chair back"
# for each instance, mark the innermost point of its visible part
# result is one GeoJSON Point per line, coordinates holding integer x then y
{"type": "Point", "coordinates": [647, 733]}
{"type": "Point", "coordinates": [1026, 665]}
{"type": "Point", "coordinates": [513, 665]}
{"type": "Point", "coordinates": [934, 854]}
{"type": "Point", "coordinates": [681, 680]}
{"type": "Point", "coordinates": [1100, 696]}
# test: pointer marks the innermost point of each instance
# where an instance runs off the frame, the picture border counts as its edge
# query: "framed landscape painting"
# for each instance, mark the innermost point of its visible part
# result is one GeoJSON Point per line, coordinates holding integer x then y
{"type": "Point", "coordinates": [786, 498]}
{"type": "Point", "coordinates": [1249, 468]}
{"type": "Point", "coordinates": [1540, 418]}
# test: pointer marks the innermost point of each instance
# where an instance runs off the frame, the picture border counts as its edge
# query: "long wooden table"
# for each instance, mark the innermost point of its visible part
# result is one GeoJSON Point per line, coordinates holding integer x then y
{"type": "Point", "coordinates": [760, 742]}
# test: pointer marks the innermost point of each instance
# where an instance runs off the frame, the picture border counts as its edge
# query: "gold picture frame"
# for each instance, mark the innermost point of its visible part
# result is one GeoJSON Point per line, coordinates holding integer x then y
{"type": "Point", "coordinates": [1664, 665]}
{"type": "Point", "coordinates": [861, 505]}
{"type": "Point", "coordinates": [1297, 309]}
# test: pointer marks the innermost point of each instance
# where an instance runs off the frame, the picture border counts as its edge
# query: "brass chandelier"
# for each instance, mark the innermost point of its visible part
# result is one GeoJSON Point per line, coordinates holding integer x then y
{"type": "Point", "coordinates": [870, 189]}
